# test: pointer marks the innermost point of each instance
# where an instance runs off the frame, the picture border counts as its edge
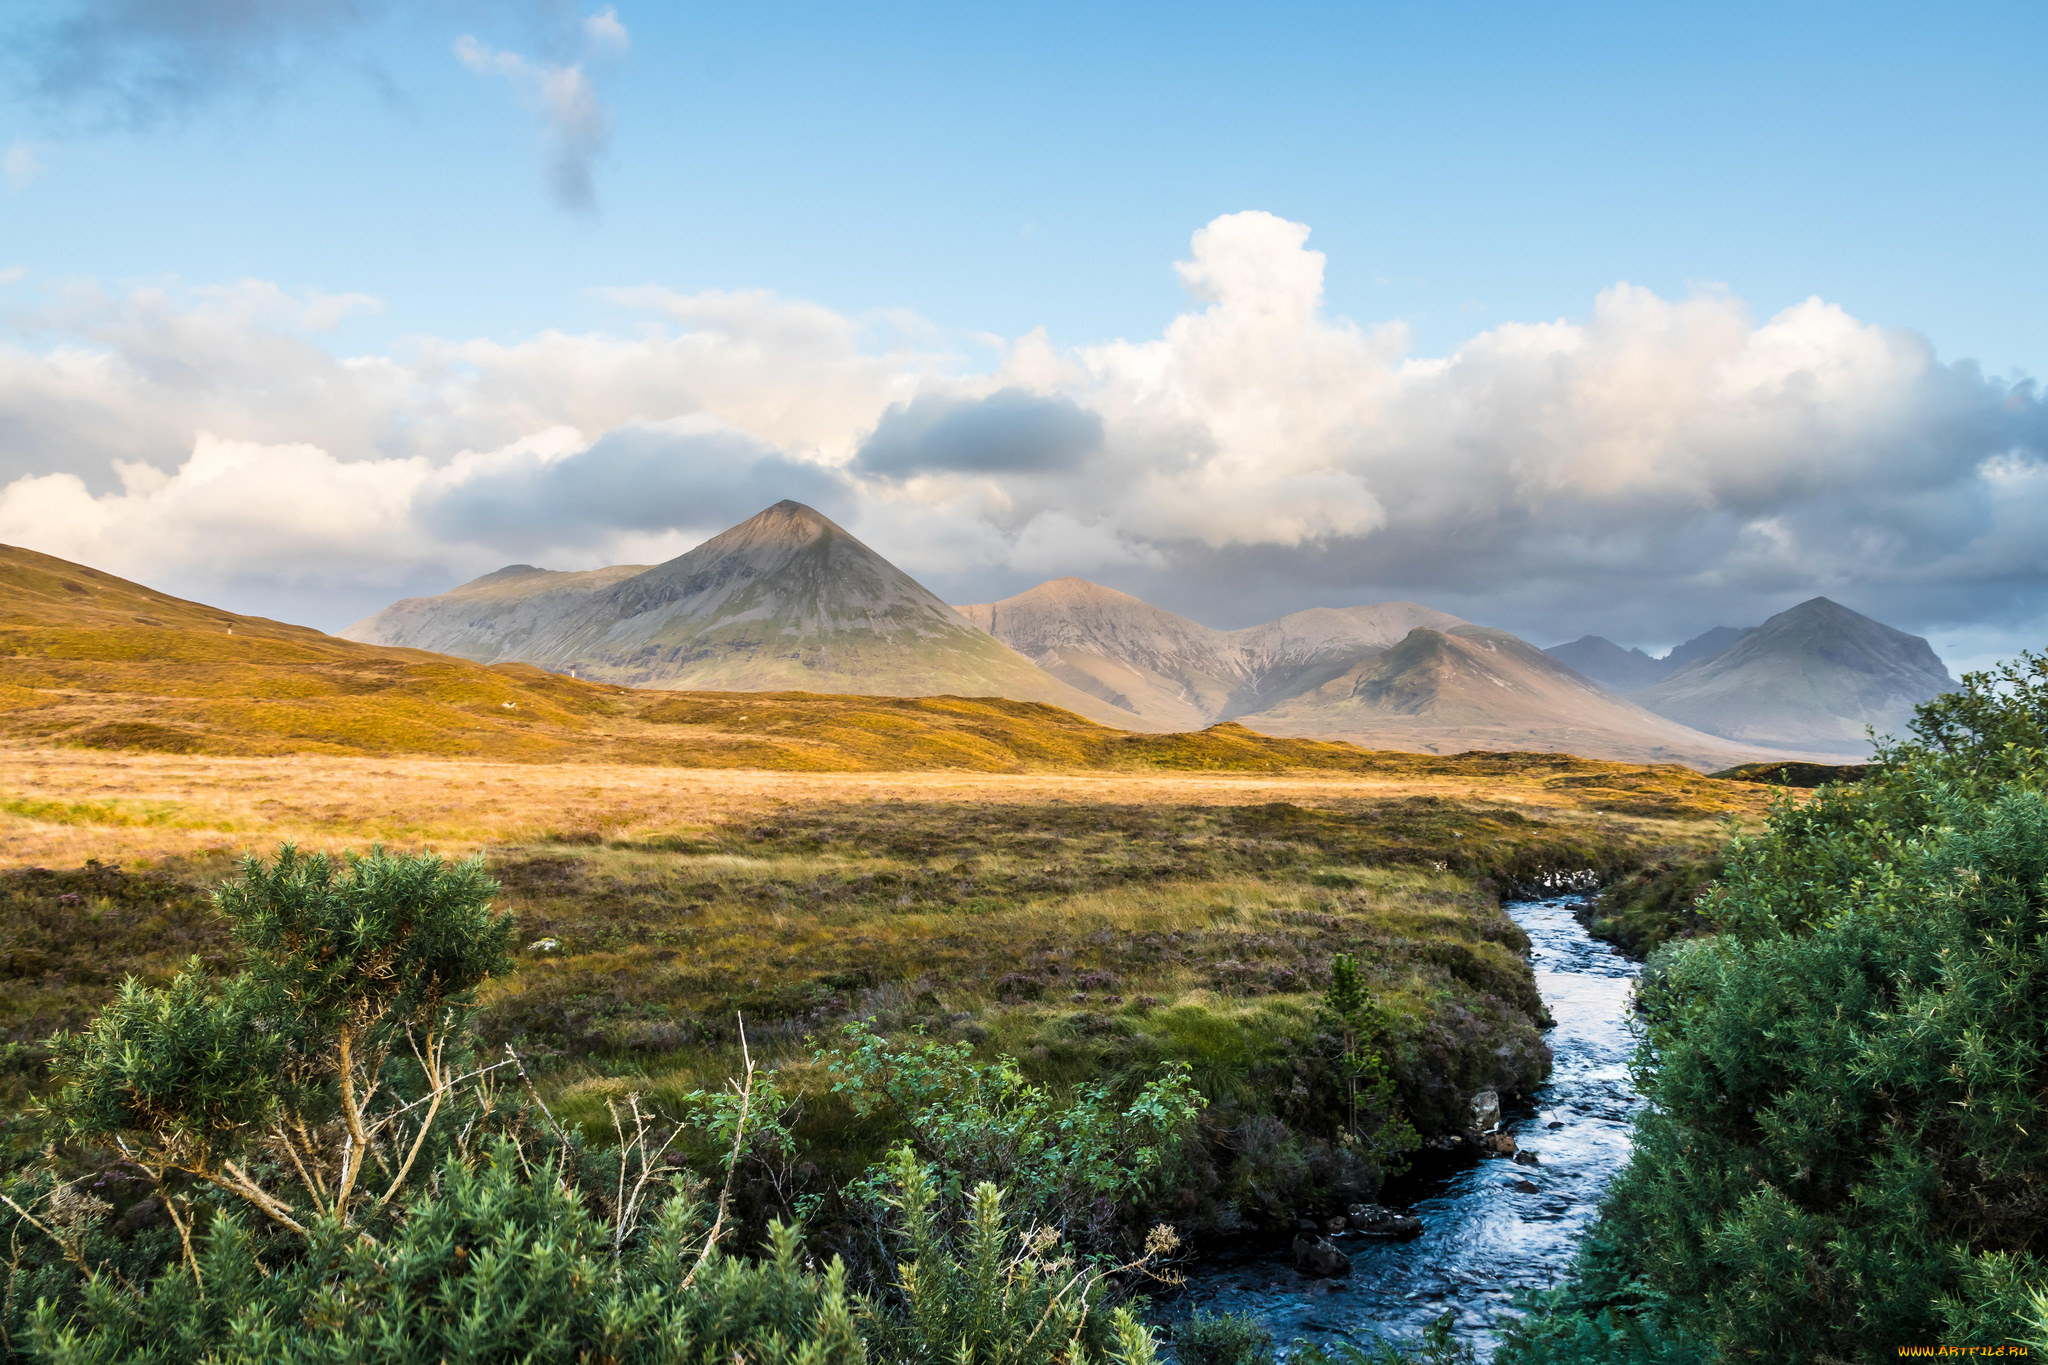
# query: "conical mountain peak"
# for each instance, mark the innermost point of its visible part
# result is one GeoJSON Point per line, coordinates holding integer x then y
{"type": "Point", "coordinates": [787, 599]}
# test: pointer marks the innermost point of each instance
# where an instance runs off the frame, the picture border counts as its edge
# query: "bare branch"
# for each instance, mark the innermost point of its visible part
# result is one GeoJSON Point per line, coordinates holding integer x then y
{"type": "Point", "coordinates": [732, 1163]}
{"type": "Point", "coordinates": [432, 1063]}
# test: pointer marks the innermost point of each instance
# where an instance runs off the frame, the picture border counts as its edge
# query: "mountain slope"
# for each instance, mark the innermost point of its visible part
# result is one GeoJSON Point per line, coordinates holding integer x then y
{"type": "Point", "coordinates": [1705, 645]}
{"type": "Point", "coordinates": [1811, 677]}
{"type": "Point", "coordinates": [786, 600]}
{"type": "Point", "coordinates": [1138, 657]}
{"type": "Point", "coordinates": [1631, 670]}
{"type": "Point", "coordinates": [1475, 688]}
{"type": "Point", "coordinates": [1177, 672]}
{"type": "Point", "coordinates": [88, 660]}
{"type": "Point", "coordinates": [1607, 663]}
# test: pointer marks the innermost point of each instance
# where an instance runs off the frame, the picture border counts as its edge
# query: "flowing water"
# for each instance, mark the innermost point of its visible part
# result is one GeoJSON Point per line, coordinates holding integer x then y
{"type": "Point", "coordinates": [1491, 1227]}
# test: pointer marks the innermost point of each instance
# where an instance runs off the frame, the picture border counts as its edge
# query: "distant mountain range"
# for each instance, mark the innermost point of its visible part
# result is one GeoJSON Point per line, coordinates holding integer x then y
{"type": "Point", "coordinates": [789, 600]}
{"type": "Point", "coordinates": [1811, 677]}
{"type": "Point", "coordinates": [1393, 675]}
{"type": "Point", "coordinates": [1168, 670]}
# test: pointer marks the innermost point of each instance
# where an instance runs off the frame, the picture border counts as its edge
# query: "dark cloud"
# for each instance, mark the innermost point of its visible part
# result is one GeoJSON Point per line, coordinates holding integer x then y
{"type": "Point", "coordinates": [141, 62]}
{"type": "Point", "coordinates": [687, 475]}
{"type": "Point", "coordinates": [1008, 432]}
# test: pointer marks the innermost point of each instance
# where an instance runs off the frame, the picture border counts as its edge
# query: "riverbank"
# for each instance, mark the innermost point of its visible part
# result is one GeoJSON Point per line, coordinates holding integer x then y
{"type": "Point", "coordinates": [1492, 1227]}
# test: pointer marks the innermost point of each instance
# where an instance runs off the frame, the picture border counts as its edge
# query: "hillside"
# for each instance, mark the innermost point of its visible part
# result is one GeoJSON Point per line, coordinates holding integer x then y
{"type": "Point", "coordinates": [1391, 675]}
{"type": "Point", "coordinates": [1170, 670]}
{"type": "Point", "coordinates": [94, 662]}
{"type": "Point", "coordinates": [1602, 661]}
{"type": "Point", "coordinates": [1811, 677]}
{"type": "Point", "coordinates": [1472, 687]}
{"type": "Point", "coordinates": [90, 659]}
{"type": "Point", "coordinates": [787, 600]}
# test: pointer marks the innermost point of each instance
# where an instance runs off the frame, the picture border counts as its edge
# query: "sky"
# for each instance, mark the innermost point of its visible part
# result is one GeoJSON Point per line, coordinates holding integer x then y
{"type": "Point", "coordinates": [1633, 320]}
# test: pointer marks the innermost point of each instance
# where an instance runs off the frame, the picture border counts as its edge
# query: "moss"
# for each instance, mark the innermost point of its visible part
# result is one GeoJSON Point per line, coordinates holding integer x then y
{"type": "Point", "coordinates": [1657, 903]}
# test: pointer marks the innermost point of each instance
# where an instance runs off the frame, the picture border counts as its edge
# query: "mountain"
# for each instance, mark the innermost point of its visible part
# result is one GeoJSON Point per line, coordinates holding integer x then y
{"type": "Point", "coordinates": [1470, 687]}
{"type": "Point", "coordinates": [1705, 645]}
{"type": "Point", "coordinates": [89, 660]}
{"type": "Point", "coordinates": [1607, 663]}
{"type": "Point", "coordinates": [1811, 677]}
{"type": "Point", "coordinates": [1304, 650]}
{"type": "Point", "coordinates": [1135, 656]}
{"type": "Point", "coordinates": [787, 600]}
{"type": "Point", "coordinates": [1631, 670]}
{"type": "Point", "coordinates": [1176, 672]}
{"type": "Point", "coordinates": [1392, 675]}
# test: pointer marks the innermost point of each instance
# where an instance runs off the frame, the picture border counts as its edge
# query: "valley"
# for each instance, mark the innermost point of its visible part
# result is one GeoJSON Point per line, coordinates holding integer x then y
{"type": "Point", "coordinates": [1092, 925]}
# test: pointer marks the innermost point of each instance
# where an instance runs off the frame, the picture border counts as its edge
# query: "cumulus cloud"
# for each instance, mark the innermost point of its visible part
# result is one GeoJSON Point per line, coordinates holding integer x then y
{"type": "Point", "coordinates": [1647, 470]}
{"type": "Point", "coordinates": [141, 62]}
{"type": "Point", "coordinates": [561, 94]}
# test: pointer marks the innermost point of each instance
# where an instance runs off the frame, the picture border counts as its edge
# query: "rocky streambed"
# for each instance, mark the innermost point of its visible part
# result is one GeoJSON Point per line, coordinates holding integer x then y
{"type": "Point", "coordinates": [1470, 1228]}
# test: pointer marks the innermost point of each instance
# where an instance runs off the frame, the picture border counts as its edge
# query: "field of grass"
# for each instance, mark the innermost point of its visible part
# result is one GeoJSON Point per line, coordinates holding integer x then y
{"type": "Point", "coordinates": [1094, 925]}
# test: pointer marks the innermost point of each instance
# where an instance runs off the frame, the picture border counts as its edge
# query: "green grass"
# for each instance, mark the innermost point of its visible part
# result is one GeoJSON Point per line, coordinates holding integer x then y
{"type": "Point", "coordinates": [1090, 941]}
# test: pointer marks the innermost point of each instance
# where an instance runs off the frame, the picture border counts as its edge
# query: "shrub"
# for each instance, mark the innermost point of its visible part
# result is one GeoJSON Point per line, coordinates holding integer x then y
{"type": "Point", "coordinates": [1068, 1164]}
{"type": "Point", "coordinates": [1846, 1148]}
{"type": "Point", "coordinates": [1222, 1339]}
{"type": "Point", "coordinates": [255, 1108]}
{"type": "Point", "coordinates": [301, 1059]}
{"type": "Point", "coordinates": [990, 1292]}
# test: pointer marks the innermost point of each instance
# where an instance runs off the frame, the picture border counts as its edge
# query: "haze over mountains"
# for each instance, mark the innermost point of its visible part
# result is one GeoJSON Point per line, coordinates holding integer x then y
{"type": "Point", "coordinates": [790, 600]}
{"type": "Point", "coordinates": [1811, 677]}
{"type": "Point", "coordinates": [1390, 675]}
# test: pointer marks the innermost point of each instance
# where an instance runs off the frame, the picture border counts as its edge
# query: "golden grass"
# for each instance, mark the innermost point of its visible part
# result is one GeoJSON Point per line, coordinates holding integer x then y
{"type": "Point", "coordinates": [63, 805]}
{"type": "Point", "coordinates": [91, 661]}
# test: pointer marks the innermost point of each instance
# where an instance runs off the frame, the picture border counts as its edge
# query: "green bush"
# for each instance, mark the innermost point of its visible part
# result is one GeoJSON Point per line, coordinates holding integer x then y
{"type": "Point", "coordinates": [499, 1265]}
{"type": "Point", "coordinates": [1846, 1148]}
{"type": "Point", "coordinates": [989, 1292]}
{"type": "Point", "coordinates": [1069, 1164]}
{"type": "Point", "coordinates": [1221, 1339]}
{"type": "Point", "coordinates": [340, 1190]}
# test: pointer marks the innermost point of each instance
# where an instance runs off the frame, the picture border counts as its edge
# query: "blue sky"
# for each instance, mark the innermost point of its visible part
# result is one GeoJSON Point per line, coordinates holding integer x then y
{"type": "Point", "coordinates": [949, 178]}
{"type": "Point", "coordinates": [1000, 168]}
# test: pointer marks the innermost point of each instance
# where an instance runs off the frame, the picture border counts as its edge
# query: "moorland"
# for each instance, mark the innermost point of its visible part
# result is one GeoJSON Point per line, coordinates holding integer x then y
{"type": "Point", "coordinates": [958, 1003]}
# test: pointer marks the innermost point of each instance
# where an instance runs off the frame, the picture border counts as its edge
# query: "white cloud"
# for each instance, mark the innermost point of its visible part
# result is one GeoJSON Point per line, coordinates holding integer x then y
{"type": "Point", "coordinates": [1655, 467]}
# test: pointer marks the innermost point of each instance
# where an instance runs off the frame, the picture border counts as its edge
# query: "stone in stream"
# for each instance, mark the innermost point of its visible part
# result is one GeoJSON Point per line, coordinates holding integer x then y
{"type": "Point", "coordinates": [1498, 1144]}
{"type": "Point", "coordinates": [1525, 1157]}
{"type": "Point", "coordinates": [1377, 1220]}
{"type": "Point", "coordinates": [1317, 1255]}
{"type": "Point", "coordinates": [1486, 1110]}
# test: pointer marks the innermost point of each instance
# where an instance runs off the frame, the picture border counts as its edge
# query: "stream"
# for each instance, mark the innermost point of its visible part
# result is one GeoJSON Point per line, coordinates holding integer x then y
{"type": "Point", "coordinates": [1491, 1227]}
